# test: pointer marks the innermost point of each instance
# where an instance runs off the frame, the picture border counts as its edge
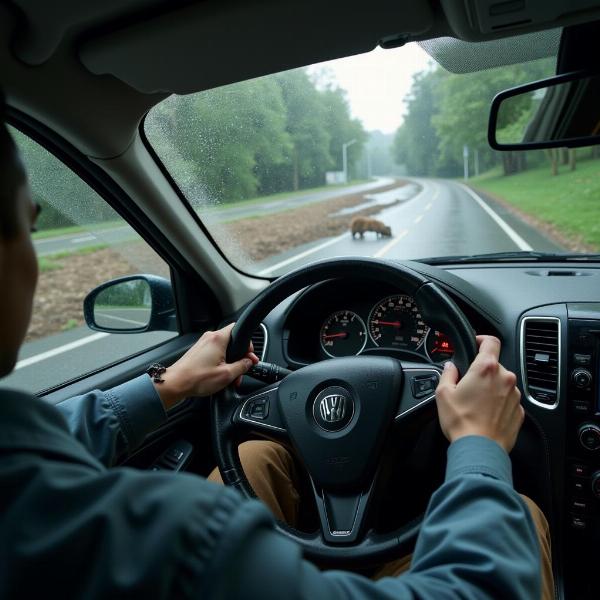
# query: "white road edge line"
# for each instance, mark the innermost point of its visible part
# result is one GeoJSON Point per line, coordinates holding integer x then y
{"type": "Point", "coordinates": [510, 232]}
{"type": "Point", "coordinates": [390, 245]}
{"type": "Point", "coordinates": [308, 252]}
{"type": "Point", "coordinates": [123, 319]}
{"type": "Point", "coordinates": [26, 362]}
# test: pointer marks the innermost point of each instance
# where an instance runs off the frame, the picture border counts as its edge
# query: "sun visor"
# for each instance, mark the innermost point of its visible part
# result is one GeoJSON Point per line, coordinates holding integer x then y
{"type": "Point", "coordinates": [458, 56]}
{"type": "Point", "coordinates": [209, 44]}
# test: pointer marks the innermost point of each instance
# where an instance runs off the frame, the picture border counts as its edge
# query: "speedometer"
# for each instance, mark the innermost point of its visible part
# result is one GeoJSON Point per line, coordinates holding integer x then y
{"type": "Point", "coordinates": [343, 334]}
{"type": "Point", "coordinates": [396, 322]}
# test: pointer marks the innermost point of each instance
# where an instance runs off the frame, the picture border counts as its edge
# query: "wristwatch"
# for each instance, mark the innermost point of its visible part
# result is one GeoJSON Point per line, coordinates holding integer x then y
{"type": "Point", "coordinates": [155, 371]}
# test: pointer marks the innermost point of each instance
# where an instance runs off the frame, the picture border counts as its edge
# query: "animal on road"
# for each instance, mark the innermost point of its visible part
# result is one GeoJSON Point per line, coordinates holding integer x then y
{"type": "Point", "coordinates": [359, 225]}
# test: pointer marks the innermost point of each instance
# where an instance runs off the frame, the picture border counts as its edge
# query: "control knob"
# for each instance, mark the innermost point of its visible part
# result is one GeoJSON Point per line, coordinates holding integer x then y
{"type": "Point", "coordinates": [582, 378]}
{"type": "Point", "coordinates": [596, 484]}
{"type": "Point", "coordinates": [589, 436]}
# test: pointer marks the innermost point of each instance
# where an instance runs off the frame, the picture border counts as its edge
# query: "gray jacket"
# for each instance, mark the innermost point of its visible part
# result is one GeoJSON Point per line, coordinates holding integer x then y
{"type": "Point", "coordinates": [73, 527]}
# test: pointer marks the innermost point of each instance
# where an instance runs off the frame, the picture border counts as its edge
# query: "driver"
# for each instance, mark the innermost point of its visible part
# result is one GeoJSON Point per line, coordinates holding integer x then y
{"type": "Point", "coordinates": [73, 524]}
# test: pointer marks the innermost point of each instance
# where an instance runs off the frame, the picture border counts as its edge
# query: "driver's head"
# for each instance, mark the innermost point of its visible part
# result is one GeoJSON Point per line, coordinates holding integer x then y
{"type": "Point", "coordinates": [18, 263]}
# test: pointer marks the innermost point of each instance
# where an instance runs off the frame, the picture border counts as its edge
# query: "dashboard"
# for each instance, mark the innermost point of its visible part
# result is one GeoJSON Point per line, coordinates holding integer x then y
{"type": "Point", "coordinates": [547, 316]}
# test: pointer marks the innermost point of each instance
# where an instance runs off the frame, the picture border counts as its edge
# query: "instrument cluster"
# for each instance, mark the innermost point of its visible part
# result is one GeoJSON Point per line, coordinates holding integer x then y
{"type": "Point", "coordinates": [347, 318]}
{"type": "Point", "coordinates": [393, 322]}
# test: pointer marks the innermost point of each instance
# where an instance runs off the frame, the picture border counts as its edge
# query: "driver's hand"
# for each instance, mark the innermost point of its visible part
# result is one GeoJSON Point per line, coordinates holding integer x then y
{"type": "Point", "coordinates": [485, 402]}
{"type": "Point", "coordinates": [202, 370]}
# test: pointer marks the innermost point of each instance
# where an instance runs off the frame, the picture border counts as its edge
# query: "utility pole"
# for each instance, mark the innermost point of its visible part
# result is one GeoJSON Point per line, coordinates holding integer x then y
{"type": "Point", "coordinates": [476, 162]}
{"type": "Point", "coordinates": [466, 162]}
{"type": "Point", "coordinates": [345, 158]}
{"type": "Point", "coordinates": [368, 164]}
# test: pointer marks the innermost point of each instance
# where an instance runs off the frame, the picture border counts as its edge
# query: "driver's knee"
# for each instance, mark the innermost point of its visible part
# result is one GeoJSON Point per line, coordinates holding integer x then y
{"type": "Point", "coordinates": [271, 472]}
{"type": "Point", "coordinates": [543, 532]}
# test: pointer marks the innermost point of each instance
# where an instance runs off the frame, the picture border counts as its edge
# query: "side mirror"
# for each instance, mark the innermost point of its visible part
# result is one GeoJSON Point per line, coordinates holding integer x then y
{"type": "Point", "coordinates": [558, 111]}
{"type": "Point", "coordinates": [131, 304]}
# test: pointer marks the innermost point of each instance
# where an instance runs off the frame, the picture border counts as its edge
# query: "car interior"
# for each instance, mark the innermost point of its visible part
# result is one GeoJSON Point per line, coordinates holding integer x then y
{"type": "Point", "coordinates": [80, 78]}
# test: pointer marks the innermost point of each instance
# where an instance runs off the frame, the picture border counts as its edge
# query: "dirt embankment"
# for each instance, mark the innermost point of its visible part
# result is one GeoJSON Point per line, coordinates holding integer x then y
{"type": "Point", "coordinates": [271, 234]}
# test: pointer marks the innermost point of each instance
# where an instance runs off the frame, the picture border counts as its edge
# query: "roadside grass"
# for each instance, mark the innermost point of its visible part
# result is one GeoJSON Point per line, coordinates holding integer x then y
{"type": "Point", "coordinates": [283, 195]}
{"type": "Point", "coordinates": [59, 231]}
{"type": "Point", "coordinates": [50, 262]}
{"type": "Point", "coordinates": [569, 201]}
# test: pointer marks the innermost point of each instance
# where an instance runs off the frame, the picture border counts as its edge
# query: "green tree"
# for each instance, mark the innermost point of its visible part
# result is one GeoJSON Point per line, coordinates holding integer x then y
{"type": "Point", "coordinates": [221, 141]}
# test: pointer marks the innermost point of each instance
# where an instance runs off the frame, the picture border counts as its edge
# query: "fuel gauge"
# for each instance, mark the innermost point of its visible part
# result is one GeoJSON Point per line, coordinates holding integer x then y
{"type": "Point", "coordinates": [438, 346]}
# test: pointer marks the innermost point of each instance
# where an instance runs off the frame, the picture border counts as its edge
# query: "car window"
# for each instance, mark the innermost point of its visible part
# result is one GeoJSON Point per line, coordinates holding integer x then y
{"type": "Point", "coordinates": [81, 242]}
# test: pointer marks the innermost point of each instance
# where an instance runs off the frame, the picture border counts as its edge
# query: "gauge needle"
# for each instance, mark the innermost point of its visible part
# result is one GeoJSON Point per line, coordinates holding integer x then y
{"type": "Point", "coordinates": [336, 335]}
{"type": "Point", "coordinates": [391, 323]}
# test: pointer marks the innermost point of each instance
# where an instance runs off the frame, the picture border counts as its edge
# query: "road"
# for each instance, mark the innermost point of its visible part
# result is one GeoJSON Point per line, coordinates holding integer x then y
{"type": "Point", "coordinates": [124, 233]}
{"type": "Point", "coordinates": [436, 218]}
{"type": "Point", "coordinates": [442, 218]}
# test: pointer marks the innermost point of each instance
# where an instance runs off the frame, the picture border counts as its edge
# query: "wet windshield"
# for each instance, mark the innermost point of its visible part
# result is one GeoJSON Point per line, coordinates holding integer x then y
{"type": "Point", "coordinates": [383, 154]}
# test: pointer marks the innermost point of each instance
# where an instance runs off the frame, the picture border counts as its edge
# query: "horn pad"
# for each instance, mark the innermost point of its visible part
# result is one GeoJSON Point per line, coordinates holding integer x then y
{"type": "Point", "coordinates": [338, 424]}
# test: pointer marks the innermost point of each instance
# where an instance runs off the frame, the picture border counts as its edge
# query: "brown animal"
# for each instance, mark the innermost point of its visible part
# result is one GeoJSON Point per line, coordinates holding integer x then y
{"type": "Point", "coordinates": [361, 224]}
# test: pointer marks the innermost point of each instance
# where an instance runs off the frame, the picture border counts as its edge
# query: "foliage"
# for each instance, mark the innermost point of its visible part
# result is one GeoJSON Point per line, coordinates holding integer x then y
{"type": "Point", "coordinates": [446, 112]}
{"type": "Point", "coordinates": [262, 136]}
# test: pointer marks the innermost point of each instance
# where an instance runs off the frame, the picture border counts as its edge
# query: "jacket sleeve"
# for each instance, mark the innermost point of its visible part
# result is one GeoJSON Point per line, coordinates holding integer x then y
{"type": "Point", "coordinates": [113, 423]}
{"type": "Point", "coordinates": [477, 541]}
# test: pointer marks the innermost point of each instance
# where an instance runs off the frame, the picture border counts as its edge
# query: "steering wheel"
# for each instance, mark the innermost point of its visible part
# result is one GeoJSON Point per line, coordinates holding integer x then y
{"type": "Point", "coordinates": [337, 413]}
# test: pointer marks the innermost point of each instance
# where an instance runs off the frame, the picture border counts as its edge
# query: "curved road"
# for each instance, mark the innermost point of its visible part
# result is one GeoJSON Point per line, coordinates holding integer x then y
{"type": "Point", "coordinates": [439, 218]}
{"type": "Point", "coordinates": [443, 218]}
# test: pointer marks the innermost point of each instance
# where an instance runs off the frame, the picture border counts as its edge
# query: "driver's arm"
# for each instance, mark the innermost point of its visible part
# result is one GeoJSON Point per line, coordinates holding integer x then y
{"type": "Point", "coordinates": [113, 423]}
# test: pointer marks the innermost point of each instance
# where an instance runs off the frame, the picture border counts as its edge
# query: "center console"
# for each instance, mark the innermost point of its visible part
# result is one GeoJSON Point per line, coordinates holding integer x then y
{"type": "Point", "coordinates": [583, 447]}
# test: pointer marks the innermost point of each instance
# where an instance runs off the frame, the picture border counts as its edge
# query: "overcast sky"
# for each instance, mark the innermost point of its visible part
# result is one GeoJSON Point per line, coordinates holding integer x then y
{"type": "Point", "coordinates": [377, 82]}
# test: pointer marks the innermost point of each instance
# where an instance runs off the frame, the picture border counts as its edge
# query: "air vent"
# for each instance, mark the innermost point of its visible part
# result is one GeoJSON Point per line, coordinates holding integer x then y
{"type": "Point", "coordinates": [259, 341]}
{"type": "Point", "coordinates": [540, 359]}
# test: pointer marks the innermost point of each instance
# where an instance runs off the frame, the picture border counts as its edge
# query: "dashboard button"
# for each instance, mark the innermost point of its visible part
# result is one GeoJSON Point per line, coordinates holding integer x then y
{"type": "Point", "coordinates": [582, 359]}
{"type": "Point", "coordinates": [578, 522]}
{"type": "Point", "coordinates": [424, 385]}
{"type": "Point", "coordinates": [257, 408]}
{"type": "Point", "coordinates": [580, 470]}
{"type": "Point", "coordinates": [580, 487]}
{"type": "Point", "coordinates": [583, 408]}
{"type": "Point", "coordinates": [579, 505]}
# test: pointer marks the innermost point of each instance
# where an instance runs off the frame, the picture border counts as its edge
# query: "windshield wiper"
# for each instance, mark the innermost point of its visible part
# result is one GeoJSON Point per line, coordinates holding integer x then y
{"type": "Point", "coordinates": [516, 256]}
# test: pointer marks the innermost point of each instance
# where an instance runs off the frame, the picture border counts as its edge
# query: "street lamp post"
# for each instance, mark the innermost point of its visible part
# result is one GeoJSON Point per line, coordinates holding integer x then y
{"type": "Point", "coordinates": [345, 158]}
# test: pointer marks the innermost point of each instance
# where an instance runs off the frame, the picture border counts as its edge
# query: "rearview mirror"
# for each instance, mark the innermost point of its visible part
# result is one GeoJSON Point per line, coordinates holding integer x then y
{"type": "Point", "coordinates": [131, 304]}
{"type": "Point", "coordinates": [559, 111]}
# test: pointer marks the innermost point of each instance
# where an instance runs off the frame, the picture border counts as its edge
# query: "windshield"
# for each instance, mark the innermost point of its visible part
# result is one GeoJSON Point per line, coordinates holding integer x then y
{"type": "Point", "coordinates": [383, 154]}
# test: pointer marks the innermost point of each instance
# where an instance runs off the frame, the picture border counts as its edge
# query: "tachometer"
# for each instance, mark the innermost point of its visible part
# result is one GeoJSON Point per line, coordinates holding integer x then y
{"type": "Point", "coordinates": [396, 322]}
{"type": "Point", "coordinates": [343, 334]}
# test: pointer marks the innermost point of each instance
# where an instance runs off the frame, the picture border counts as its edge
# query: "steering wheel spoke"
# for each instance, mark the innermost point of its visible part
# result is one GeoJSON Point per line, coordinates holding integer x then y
{"type": "Point", "coordinates": [420, 383]}
{"type": "Point", "coordinates": [342, 514]}
{"type": "Point", "coordinates": [259, 413]}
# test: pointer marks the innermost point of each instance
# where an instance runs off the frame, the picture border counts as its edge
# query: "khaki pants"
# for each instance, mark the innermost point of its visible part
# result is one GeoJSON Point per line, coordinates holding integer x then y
{"type": "Point", "coordinates": [271, 472]}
